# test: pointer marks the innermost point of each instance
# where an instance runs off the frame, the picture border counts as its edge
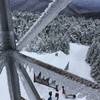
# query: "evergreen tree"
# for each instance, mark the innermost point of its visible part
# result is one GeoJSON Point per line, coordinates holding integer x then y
{"type": "Point", "coordinates": [93, 58]}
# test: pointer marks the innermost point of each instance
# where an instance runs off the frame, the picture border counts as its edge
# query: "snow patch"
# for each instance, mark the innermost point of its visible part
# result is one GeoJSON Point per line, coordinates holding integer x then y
{"type": "Point", "coordinates": [76, 59]}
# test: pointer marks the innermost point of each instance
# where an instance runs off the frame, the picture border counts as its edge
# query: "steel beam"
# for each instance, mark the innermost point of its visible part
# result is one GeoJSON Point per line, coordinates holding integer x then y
{"type": "Point", "coordinates": [13, 80]}
{"type": "Point", "coordinates": [27, 83]}
{"type": "Point", "coordinates": [8, 46]}
{"type": "Point", "coordinates": [6, 35]}
{"type": "Point", "coordinates": [47, 16]}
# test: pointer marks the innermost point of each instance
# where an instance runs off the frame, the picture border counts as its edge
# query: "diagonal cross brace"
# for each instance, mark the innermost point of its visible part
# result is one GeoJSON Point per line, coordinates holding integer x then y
{"type": "Point", "coordinates": [47, 16]}
{"type": "Point", "coordinates": [27, 82]}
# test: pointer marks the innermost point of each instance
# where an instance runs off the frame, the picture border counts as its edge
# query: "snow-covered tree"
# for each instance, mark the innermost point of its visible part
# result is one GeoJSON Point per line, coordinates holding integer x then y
{"type": "Point", "coordinates": [51, 12]}
{"type": "Point", "coordinates": [52, 38]}
{"type": "Point", "coordinates": [62, 28]}
{"type": "Point", "coordinates": [67, 66]}
{"type": "Point", "coordinates": [93, 58]}
{"type": "Point", "coordinates": [22, 21]}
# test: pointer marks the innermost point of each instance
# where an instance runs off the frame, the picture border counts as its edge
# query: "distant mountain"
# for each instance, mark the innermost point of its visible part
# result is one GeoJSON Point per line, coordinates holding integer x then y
{"type": "Point", "coordinates": [76, 7]}
{"type": "Point", "coordinates": [85, 6]}
{"type": "Point", "coordinates": [29, 5]}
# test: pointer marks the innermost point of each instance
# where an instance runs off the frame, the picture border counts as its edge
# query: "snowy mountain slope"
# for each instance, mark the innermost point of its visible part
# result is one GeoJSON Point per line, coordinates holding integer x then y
{"type": "Point", "coordinates": [47, 90]}
{"type": "Point", "coordinates": [77, 53]}
{"type": "Point", "coordinates": [76, 59]}
{"type": "Point", "coordinates": [77, 64]}
{"type": "Point", "coordinates": [60, 61]}
{"type": "Point", "coordinates": [43, 90]}
{"type": "Point", "coordinates": [43, 93]}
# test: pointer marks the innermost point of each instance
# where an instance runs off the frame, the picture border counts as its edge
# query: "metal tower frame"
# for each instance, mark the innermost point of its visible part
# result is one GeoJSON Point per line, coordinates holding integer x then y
{"type": "Point", "coordinates": [11, 57]}
{"type": "Point", "coordinates": [7, 58]}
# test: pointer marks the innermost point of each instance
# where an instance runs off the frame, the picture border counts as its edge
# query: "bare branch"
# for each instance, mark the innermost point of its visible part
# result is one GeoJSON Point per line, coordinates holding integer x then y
{"type": "Point", "coordinates": [47, 16]}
